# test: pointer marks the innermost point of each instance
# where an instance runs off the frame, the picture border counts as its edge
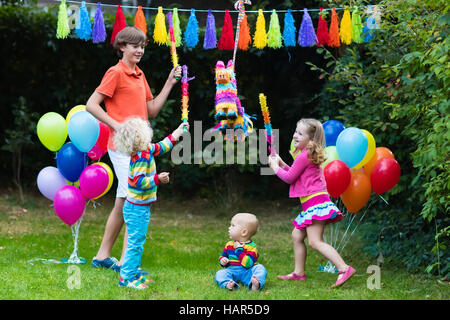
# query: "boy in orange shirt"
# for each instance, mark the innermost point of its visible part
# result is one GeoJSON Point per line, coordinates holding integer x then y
{"type": "Point", "coordinates": [125, 92]}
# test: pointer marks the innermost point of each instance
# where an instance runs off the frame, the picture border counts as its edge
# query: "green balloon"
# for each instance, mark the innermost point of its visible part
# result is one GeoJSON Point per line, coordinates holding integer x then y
{"type": "Point", "coordinates": [292, 150]}
{"type": "Point", "coordinates": [331, 154]}
{"type": "Point", "coordinates": [52, 131]}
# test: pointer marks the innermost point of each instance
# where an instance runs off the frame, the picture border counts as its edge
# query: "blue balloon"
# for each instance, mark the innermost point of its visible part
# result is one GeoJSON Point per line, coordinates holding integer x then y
{"type": "Point", "coordinates": [332, 129]}
{"type": "Point", "coordinates": [71, 161]}
{"type": "Point", "coordinates": [83, 130]}
{"type": "Point", "coordinates": [351, 146]}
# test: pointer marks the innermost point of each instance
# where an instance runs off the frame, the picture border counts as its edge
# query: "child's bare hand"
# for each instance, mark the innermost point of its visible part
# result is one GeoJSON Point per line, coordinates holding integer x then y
{"type": "Point", "coordinates": [163, 177]}
{"type": "Point", "coordinates": [175, 75]}
{"type": "Point", "coordinates": [179, 131]}
{"type": "Point", "coordinates": [224, 261]}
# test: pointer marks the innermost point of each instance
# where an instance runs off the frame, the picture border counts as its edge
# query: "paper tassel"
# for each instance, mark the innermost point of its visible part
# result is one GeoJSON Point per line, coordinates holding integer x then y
{"type": "Point", "coordinates": [84, 31]}
{"type": "Point", "coordinates": [98, 30]}
{"type": "Point", "coordinates": [289, 31]}
{"type": "Point", "coordinates": [119, 23]}
{"type": "Point", "coordinates": [370, 24]}
{"type": "Point", "coordinates": [160, 32]}
{"type": "Point", "coordinates": [139, 20]}
{"type": "Point", "coordinates": [191, 32]}
{"type": "Point", "coordinates": [226, 41]}
{"type": "Point", "coordinates": [307, 35]}
{"type": "Point", "coordinates": [210, 41]}
{"type": "Point", "coordinates": [334, 30]}
{"type": "Point", "coordinates": [62, 29]}
{"type": "Point", "coordinates": [322, 31]}
{"type": "Point", "coordinates": [356, 26]}
{"type": "Point", "coordinates": [274, 36]}
{"type": "Point", "coordinates": [260, 36]}
{"type": "Point", "coordinates": [244, 35]}
{"type": "Point", "coordinates": [345, 30]}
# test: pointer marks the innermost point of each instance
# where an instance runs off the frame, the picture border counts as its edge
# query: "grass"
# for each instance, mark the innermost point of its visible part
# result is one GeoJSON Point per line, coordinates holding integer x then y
{"type": "Point", "coordinates": [181, 253]}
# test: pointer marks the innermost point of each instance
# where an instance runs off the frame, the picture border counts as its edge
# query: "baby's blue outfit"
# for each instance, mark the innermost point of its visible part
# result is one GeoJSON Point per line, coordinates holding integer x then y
{"type": "Point", "coordinates": [240, 273]}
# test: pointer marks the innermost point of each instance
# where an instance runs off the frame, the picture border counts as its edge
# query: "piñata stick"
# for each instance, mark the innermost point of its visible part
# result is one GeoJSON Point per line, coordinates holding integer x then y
{"type": "Point", "coordinates": [173, 47]}
{"type": "Point", "coordinates": [185, 95]}
{"type": "Point", "coordinates": [239, 5]}
{"type": "Point", "coordinates": [266, 116]}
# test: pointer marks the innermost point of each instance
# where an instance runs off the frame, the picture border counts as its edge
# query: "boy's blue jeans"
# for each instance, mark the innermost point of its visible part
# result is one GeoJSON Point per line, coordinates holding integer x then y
{"type": "Point", "coordinates": [239, 273]}
{"type": "Point", "coordinates": [137, 219]}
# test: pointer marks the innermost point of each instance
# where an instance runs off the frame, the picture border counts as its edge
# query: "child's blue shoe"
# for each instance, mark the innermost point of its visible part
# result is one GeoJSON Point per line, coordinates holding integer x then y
{"type": "Point", "coordinates": [108, 263]}
{"type": "Point", "coordinates": [136, 282]}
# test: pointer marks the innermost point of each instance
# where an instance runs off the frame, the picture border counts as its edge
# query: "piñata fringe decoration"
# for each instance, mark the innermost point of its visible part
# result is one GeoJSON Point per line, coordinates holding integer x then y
{"type": "Point", "coordinates": [266, 117]}
{"type": "Point", "coordinates": [210, 41]}
{"type": "Point", "coordinates": [334, 30]}
{"type": "Point", "coordinates": [244, 35]}
{"type": "Point", "coordinates": [322, 31]}
{"type": "Point", "coordinates": [98, 30]}
{"type": "Point", "coordinates": [226, 41]}
{"type": "Point", "coordinates": [191, 32]}
{"type": "Point", "coordinates": [307, 35]}
{"type": "Point", "coordinates": [84, 31]}
{"type": "Point", "coordinates": [289, 30]}
{"type": "Point", "coordinates": [62, 29]}
{"type": "Point", "coordinates": [260, 36]}
{"type": "Point", "coordinates": [160, 32]}
{"type": "Point", "coordinates": [139, 20]}
{"type": "Point", "coordinates": [356, 26]}
{"type": "Point", "coordinates": [274, 39]}
{"type": "Point", "coordinates": [345, 30]}
{"type": "Point", "coordinates": [119, 24]}
{"type": "Point", "coordinates": [185, 95]}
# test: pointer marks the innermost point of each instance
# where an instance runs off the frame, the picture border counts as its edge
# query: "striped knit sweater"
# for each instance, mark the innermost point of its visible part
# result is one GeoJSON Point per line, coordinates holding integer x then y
{"type": "Point", "coordinates": [142, 177]}
{"type": "Point", "coordinates": [245, 256]}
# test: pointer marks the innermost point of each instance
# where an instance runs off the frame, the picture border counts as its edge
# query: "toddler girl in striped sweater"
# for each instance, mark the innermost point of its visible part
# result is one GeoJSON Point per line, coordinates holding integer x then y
{"type": "Point", "coordinates": [134, 138]}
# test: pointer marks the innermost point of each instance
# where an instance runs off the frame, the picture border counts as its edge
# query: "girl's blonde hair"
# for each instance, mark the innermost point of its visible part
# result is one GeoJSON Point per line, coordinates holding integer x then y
{"type": "Point", "coordinates": [316, 144]}
{"type": "Point", "coordinates": [130, 35]}
{"type": "Point", "coordinates": [133, 135]}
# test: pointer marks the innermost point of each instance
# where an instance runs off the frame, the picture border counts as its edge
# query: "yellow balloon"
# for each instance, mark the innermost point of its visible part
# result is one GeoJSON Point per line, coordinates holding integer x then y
{"type": "Point", "coordinates": [110, 175]}
{"type": "Point", "coordinates": [370, 150]}
{"type": "Point", "coordinates": [80, 107]}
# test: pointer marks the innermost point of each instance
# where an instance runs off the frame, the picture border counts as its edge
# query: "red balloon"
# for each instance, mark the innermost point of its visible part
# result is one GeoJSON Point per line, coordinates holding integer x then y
{"type": "Point", "coordinates": [385, 175]}
{"type": "Point", "coordinates": [337, 175]}
{"type": "Point", "coordinates": [103, 137]}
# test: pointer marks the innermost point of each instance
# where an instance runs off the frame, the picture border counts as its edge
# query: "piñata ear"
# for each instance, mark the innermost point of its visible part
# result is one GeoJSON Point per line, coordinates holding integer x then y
{"type": "Point", "coordinates": [220, 65]}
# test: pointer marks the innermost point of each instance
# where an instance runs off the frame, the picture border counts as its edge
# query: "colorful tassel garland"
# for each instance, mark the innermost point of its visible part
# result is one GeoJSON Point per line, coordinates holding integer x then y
{"type": "Point", "coordinates": [160, 32]}
{"type": "Point", "coordinates": [345, 30]}
{"type": "Point", "coordinates": [260, 36]}
{"type": "Point", "coordinates": [322, 31]}
{"type": "Point", "coordinates": [274, 39]}
{"type": "Point", "coordinates": [191, 32]}
{"type": "Point", "coordinates": [176, 27]}
{"type": "Point", "coordinates": [119, 23]}
{"type": "Point", "coordinates": [289, 30]}
{"type": "Point", "coordinates": [98, 30]}
{"type": "Point", "coordinates": [62, 29]}
{"type": "Point", "coordinates": [226, 41]}
{"type": "Point", "coordinates": [307, 35]}
{"type": "Point", "coordinates": [210, 41]}
{"type": "Point", "coordinates": [84, 31]}
{"type": "Point", "coordinates": [139, 20]}
{"type": "Point", "coordinates": [334, 30]}
{"type": "Point", "coordinates": [244, 35]}
{"type": "Point", "coordinates": [356, 26]}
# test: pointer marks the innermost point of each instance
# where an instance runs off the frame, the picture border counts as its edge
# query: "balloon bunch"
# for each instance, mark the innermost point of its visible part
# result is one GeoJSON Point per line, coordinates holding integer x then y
{"type": "Point", "coordinates": [355, 166]}
{"type": "Point", "coordinates": [73, 181]}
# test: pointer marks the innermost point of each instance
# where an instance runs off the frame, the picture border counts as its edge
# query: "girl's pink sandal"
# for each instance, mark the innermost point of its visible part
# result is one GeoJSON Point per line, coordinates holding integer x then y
{"type": "Point", "coordinates": [346, 275]}
{"type": "Point", "coordinates": [293, 276]}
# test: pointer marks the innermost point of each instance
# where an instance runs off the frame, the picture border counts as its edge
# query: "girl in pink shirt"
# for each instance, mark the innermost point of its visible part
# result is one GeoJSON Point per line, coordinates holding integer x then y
{"type": "Point", "coordinates": [308, 183]}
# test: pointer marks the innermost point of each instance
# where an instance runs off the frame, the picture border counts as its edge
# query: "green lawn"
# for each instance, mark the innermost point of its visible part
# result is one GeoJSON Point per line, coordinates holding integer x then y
{"type": "Point", "coordinates": [181, 252]}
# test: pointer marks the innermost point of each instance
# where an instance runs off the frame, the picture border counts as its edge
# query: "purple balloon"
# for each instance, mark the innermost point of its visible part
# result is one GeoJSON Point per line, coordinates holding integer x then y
{"type": "Point", "coordinates": [50, 180]}
{"type": "Point", "coordinates": [69, 204]}
{"type": "Point", "coordinates": [93, 181]}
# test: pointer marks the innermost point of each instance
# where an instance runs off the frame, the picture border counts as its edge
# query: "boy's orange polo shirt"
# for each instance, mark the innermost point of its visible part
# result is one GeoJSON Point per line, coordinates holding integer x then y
{"type": "Point", "coordinates": [126, 94]}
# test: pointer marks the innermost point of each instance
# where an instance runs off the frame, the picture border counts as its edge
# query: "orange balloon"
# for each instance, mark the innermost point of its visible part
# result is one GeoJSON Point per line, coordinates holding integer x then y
{"type": "Point", "coordinates": [380, 152]}
{"type": "Point", "coordinates": [358, 192]}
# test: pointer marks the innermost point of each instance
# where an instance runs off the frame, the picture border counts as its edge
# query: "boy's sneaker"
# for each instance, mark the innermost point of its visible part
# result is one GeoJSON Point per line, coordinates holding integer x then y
{"type": "Point", "coordinates": [108, 263]}
{"type": "Point", "coordinates": [136, 282]}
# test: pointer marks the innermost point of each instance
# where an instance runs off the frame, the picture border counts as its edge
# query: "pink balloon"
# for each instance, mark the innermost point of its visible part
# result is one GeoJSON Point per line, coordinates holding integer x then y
{"type": "Point", "coordinates": [69, 204]}
{"type": "Point", "coordinates": [93, 181]}
{"type": "Point", "coordinates": [96, 152]}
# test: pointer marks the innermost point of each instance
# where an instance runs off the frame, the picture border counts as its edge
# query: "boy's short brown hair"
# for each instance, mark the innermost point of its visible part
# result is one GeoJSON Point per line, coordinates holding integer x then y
{"type": "Point", "coordinates": [130, 35]}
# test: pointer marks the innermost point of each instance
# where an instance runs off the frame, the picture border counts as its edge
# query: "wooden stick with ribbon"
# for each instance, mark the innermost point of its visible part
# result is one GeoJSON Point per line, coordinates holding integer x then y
{"type": "Point", "coordinates": [267, 124]}
{"type": "Point", "coordinates": [185, 95]}
{"type": "Point", "coordinates": [173, 47]}
{"type": "Point", "coordinates": [239, 5]}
